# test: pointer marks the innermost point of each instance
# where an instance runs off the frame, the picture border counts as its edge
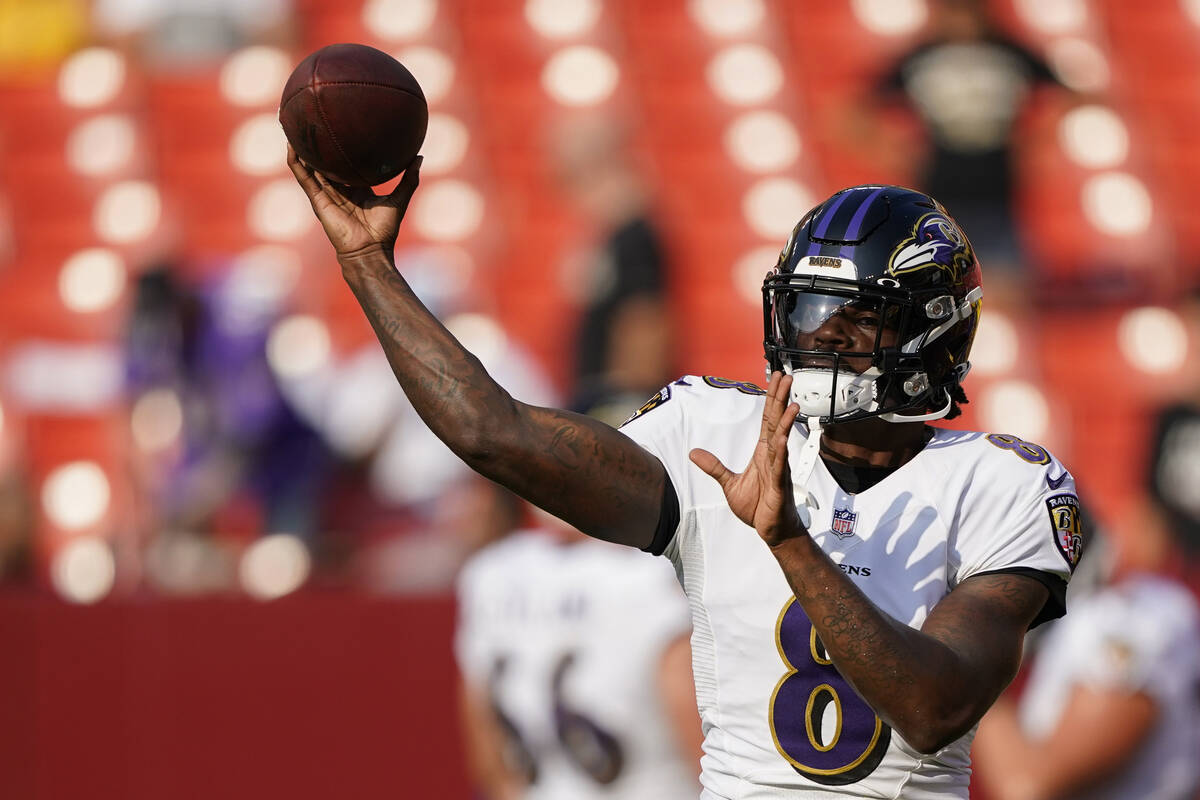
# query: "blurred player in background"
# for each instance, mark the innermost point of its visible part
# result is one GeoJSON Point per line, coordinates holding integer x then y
{"type": "Point", "coordinates": [967, 84]}
{"type": "Point", "coordinates": [623, 340]}
{"type": "Point", "coordinates": [853, 647]}
{"type": "Point", "coordinates": [1111, 710]}
{"type": "Point", "coordinates": [576, 667]}
{"type": "Point", "coordinates": [1173, 469]}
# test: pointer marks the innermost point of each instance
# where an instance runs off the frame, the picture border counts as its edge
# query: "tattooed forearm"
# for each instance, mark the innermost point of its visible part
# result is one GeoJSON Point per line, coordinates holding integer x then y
{"type": "Point", "coordinates": [932, 684]}
{"type": "Point", "coordinates": [575, 467]}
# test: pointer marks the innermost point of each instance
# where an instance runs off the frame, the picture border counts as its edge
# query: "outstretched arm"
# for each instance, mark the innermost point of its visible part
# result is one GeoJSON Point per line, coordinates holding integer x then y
{"type": "Point", "coordinates": [575, 467]}
{"type": "Point", "coordinates": [930, 685]}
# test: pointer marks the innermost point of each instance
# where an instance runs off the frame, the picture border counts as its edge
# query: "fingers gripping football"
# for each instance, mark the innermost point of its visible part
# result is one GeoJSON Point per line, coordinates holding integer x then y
{"type": "Point", "coordinates": [355, 218]}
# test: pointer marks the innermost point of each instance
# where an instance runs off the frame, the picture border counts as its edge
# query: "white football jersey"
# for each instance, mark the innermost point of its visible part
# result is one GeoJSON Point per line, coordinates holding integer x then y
{"type": "Point", "coordinates": [568, 639]}
{"type": "Point", "coordinates": [779, 720]}
{"type": "Point", "coordinates": [1140, 635]}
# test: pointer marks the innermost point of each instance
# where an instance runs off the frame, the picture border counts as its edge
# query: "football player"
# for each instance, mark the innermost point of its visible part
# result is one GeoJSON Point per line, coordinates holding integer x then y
{"type": "Point", "coordinates": [852, 646]}
{"type": "Point", "coordinates": [576, 671]}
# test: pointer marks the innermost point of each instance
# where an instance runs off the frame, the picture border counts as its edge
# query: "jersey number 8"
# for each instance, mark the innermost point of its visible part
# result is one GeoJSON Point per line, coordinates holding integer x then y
{"type": "Point", "coordinates": [819, 723]}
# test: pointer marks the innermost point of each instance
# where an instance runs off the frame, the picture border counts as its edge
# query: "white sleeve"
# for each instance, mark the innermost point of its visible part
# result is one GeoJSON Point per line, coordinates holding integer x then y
{"type": "Point", "coordinates": [1016, 514]}
{"type": "Point", "coordinates": [660, 426]}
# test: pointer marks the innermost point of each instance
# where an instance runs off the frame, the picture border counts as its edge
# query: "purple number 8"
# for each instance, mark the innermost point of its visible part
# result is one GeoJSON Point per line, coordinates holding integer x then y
{"type": "Point", "coordinates": [1034, 454]}
{"type": "Point", "coordinates": [836, 754]}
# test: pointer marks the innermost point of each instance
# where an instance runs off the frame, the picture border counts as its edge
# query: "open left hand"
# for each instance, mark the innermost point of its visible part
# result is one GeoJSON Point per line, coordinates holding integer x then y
{"type": "Point", "coordinates": [761, 496]}
{"type": "Point", "coordinates": [356, 219]}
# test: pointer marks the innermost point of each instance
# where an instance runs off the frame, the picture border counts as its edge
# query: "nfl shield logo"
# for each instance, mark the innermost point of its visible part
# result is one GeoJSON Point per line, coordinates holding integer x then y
{"type": "Point", "coordinates": [843, 522]}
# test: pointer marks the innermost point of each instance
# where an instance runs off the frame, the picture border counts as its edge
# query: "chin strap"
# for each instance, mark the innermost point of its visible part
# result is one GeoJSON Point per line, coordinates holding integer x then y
{"type": "Point", "coordinates": [806, 503]}
{"type": "Point", "coordinates": [943, 411]}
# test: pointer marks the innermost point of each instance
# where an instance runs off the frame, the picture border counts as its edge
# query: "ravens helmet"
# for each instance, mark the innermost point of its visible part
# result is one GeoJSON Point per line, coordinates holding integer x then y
{"type": "Point", "coordinates": [898, 257]}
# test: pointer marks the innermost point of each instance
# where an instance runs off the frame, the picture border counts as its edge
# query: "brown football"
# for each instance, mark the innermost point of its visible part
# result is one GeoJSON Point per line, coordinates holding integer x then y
{"type": "Point", "coordinates": [354, 113]}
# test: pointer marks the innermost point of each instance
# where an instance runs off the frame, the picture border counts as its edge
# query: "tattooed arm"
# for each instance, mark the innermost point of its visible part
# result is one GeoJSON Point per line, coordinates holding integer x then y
{"type": "Point", "coordinates": [575, 467]}
{"type": "Point", "coordinates": [930, 685]}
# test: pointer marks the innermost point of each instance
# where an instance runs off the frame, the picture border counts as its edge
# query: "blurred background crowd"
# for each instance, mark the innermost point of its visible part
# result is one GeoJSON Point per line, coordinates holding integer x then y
{"type": "Point", "coordinates": [191, 403]}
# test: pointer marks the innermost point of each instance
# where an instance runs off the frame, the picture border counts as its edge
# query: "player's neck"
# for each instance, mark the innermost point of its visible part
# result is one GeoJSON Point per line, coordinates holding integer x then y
{"type": "Point", "coordinates": [873, 442]}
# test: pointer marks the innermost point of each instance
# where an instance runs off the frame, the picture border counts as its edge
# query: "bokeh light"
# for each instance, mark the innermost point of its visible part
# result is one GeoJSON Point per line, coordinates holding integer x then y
{"type": "Point", "coordinates": [997, 347]}
{"type": "Point", "coordinates": [447, 211]}
{"type": "Point", "coordinates": [773, 206]}
{"type": "Point", "coordinates": [84, 570]}
{"type": "Point", "coordinates": [1053, 17]}
{"type": "Point", "coordinates": [1117, 203]}
{"type": "Point", "coordinates": [1080, 64]}
{"type": "Point", "coordinates": [1094, 136]}
{"type": "Point", "coordinates": [479, 333]}
{"type": "Point", "coordinates": [580, 75]}
{"type": "Point", "coordinates": [127, 212]}
{"type": "Point", "coordinates": [76, 495]}
{"type": "Point", "coordinates": [279, 211]}
{"type": "Point", "coordinates": [750, 270]}
{"type": "Point", "coordinates": [722, 18]}
{"type": "Point", "coordinates": [254, 76]}
{"type": "Point", "coordinates": [102, 145]}
{"type": "Point", "coordinates": [91, 280]}
{"type": "Point", "coordinates": [562, 19]}
{"type": "Point", "coordinates": [745, 74]}
{"type": "Point", "coordinates": [399, 19]}
{"type": "Point", "coordinates": [433, 69]}
{"type": "Point", "coordinates": [445, 145]}
{"type": "Point", "coordinates": [274, 566]}
{"type": "Point", "coordinates": [1153, 340]}
{"type": "Point", "coordinates": [891, 17]}
{"type": "Point", "coordinates": [1016, 407]}
{"type": "Point", "coordinates": [298, 346]}
{"type": "Point", "coordinates": [258, 146]}
{"type": "Point", "coordinates": [91, 77]}
{"type": "Point", "coordinates": [762, 141]}
{"type": "Point", "coordinates": [1192, 9]}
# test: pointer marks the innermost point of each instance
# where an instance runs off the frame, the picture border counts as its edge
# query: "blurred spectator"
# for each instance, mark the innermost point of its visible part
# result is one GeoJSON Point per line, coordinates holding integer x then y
{"type": "Point", "coordinates": [576, 671]}
{"type": "Point", "coordinates": [245, 464]}
{"type": "Point", "coordinates": [406, 511]}
{"type": "Point", "coordinates": [1173, 474]}
{"type": "Point", "coordinates": [623, 339]}
{"type": "Point", "coordinates": [186, 33]}
{"type": "Point", "coordinates": [35, 35]}
{"type": "Point", "coordinates": [1111, 708]}
{"type": "Point", "coordinates": [967, 84]}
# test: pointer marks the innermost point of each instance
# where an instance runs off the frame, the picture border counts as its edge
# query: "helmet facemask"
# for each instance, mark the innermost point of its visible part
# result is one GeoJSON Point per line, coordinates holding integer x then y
{"type": "Point", "coordinates": [892, 254]}
{"type": "Point", "coordinates": [892, 379]}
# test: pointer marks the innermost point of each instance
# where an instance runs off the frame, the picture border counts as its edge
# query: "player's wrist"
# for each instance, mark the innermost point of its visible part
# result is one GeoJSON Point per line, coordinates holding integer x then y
{"type": "Point", "coordinates": [367, 257]}
{"type": "Point", "coordinates": [796, 544]}
{"type": "Point", "coordinates": [787, 538]}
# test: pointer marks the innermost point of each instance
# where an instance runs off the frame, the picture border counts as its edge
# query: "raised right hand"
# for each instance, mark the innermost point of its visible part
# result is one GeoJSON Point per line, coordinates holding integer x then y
{"type": "Point", "coordinates": [356, 219]}
{"type": "Point", "coordinates": [761, 495]}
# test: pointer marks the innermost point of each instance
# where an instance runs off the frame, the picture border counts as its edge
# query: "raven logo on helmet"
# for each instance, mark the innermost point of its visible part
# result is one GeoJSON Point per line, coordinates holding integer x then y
{"type": "Point", "coordinates": [936, 242]}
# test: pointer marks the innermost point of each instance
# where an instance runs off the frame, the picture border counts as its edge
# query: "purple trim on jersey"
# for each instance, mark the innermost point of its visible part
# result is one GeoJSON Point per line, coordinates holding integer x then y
{"type": "Point", "coordinates": [856, 221]}
{"type": "Point", "coordinates": [814, 248]}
